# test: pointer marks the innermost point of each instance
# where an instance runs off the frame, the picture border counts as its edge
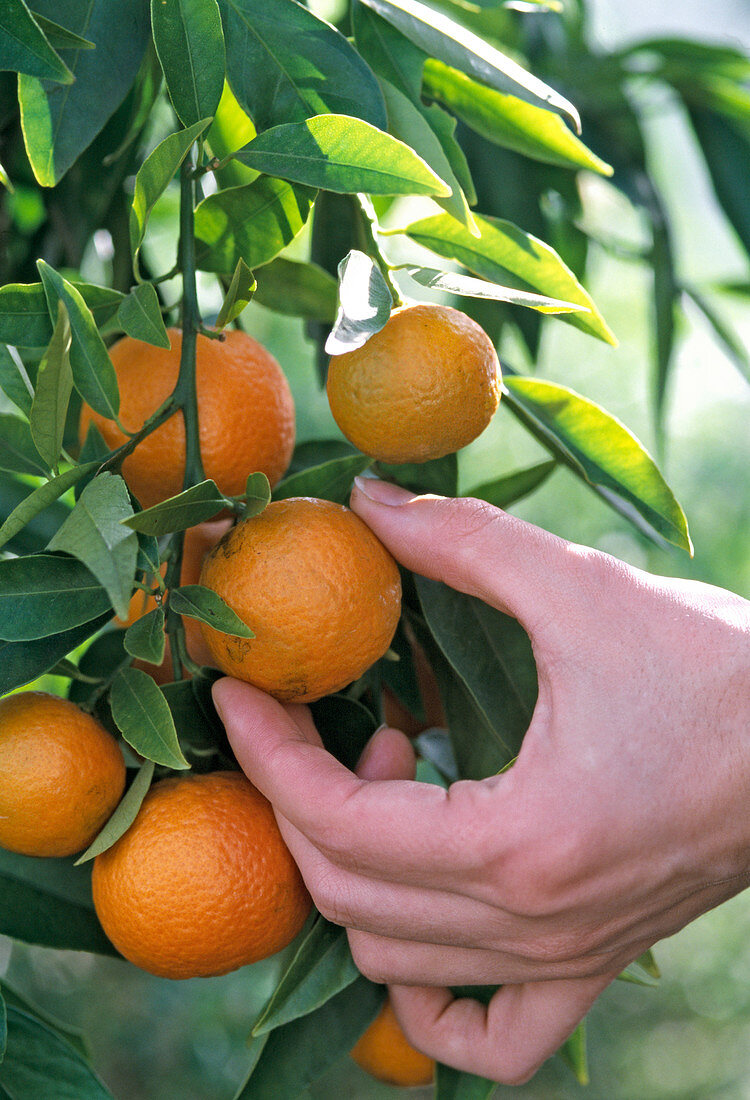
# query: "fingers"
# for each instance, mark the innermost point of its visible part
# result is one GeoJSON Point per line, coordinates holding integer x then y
{"type": "Point", "coordinates": [387, 755]}
{"type": "Point", "coordinates": [475, 548]}
{"type": "Point", "coordinates": [508, 1040]}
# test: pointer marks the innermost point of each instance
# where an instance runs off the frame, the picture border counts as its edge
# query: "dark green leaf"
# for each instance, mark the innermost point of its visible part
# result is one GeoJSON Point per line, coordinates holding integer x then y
{"type": "Point", "coordinates": [18, 454]}
{"type": "Point", "coordinates": [196, 504]}
{"type": "Point", "coordinates": [298, 1053]}
{"type": "Point", "coordinates": [125, 814]}
{"type": "Point", "coordinates": [442, 37]}
{"type": "Point", "coordinates": [343, 154]}
{"type": "Point", "coordinates": [41, 498]}
{"type": "Point", "coordinates": [298, 289]}
{"type": "Point", "coordinates": [74, 1036]}
{"type": "Point", "coordinates": [345, 727]}
{"type": "Point", "coordinates": [140, 315]}
{"type": "Point", "coordinates": [257, 494]}
{"type": "Point", "coordinates": [321, 967]}
{"type": "Point", "coordinates": [40, 1062]}
{"type": "Point", "coordinates": [509, 121]}
{"type": "Point", "coordinates": [93, 374]}
{"type": "Point", "coordinates": [100, 660]}
{"type": "Point", "coordinates": [603, 452]}
{"type": "Point", "coordinates": [435, 746]}
{"type": "Point", "coordinates": [94, 533]}
{"type": "Point", "coordinates": [504, 250]}
{"type": "Point", "coordinates": [438, 475]}
{"type": "Point", "coordinates": [239, 294]}
{"type": "Point", "coordinates": [25, 49]}
{"type": "Point", "coordinates": [726, 148]}
{"type": "Point", "coordinates": [46, 594]}
{"type": "Point", "coordinates": [13, 383]}
{"type": "Point", "coordinates": [454, 1084]}
{"type": "Point", "coordinates": [149, 558]}
{"type": "Point", "coordinates": [48, 902]}
{"type": "Point", "coordinates": [665, 299]}
{"type": "Point", "coordinates": [331, 480]}
{"type": "Point", "coordinates": [491, 654]}
{"type": "Point", "coordinates": [199, 602]}
{"type": "Point", "coordinates": [22, 662]}
{"type": "Point", "coordinates": [145, 637]}
{"type": "Point", "coordinates": [509, 488]}
{"type": "Point", "coordinates": [60, 121]}
{"type": "Point", "coordinates": [190, 43]}
{"type": "Point", "coordinates": [54, 385]}
{"type": "Point", "coordinates": [392, 55]}
{"type": "Point", "coordinates": [25, 316]}
{"type": "Point", "coordinates": [365, 303]}
{"type": "Point", "coordinates": [153, 176]}
{"type": "Point", "coordinates": [314, 452]}
{"type": "Point", "coordinates": [452, 282]}
{"type": "Point", "coordinates": [195, 717]}
{"type": "Point", "coordinates": [60, 37]}
{"type": "Point", "coordinates": [252, 223]}
{"type": "Point", "coordinates": [3, 1026]}
{"type": "Point", "coordinates": [143, 718]}
{"type": "Point", "coordinates": [285, 64]}
{"type": "Point", "coordinates": [573, 1053]}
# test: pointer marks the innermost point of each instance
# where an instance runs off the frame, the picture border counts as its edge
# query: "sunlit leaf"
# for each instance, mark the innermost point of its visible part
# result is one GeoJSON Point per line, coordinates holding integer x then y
{"type": "Point", "coordinates": [365, 304]}
{"type": "Point", "coordinates": [454, 283]}
{"type": "Point", "coordinates": [190, 43]}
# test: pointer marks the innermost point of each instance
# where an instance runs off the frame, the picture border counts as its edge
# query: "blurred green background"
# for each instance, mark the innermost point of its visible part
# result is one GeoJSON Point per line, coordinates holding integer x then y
{"type": "Point", "coordinates": [689, 1038]}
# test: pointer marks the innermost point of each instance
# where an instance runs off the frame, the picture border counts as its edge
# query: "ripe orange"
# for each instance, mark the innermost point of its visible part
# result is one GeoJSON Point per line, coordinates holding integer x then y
{"type": "Point", "coordinates": [202, 882]}
{"type": "Point", "coordinates": [61, 775]}
{"type": "Point", "coordinates": [427, 384]}
{"type": "Point", "coordinates": [385, 1053]}
{"type": "Point", "coordinates": [245, 413]}
{"type": "Point", "coordinates": [319, 590]}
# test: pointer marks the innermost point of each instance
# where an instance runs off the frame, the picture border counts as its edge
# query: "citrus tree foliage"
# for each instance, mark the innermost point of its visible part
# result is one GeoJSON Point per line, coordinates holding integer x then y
{"type": "Point", "coordinates": [275, 125]}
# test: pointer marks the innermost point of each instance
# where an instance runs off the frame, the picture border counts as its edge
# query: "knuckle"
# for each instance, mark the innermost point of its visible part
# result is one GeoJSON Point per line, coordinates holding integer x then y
{"type": "Point", "coordinates": [331, 899]}
{"type": "Point", "coordinates": [368, 958]}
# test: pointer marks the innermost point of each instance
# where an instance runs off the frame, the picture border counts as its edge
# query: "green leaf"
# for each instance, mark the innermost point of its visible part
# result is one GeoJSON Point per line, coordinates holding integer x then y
{"type": "Point", "coordinates": [124, 815]}
{"type": "Point", "coordinates": [196, 504]}
{"type": "Point", "coordinates": [199, 602]}
{"type": "Point", "coordinates": [298, 1053]}
{"type": "Point", "coordinates": [330, 480]}
{"type": "Point", "coordinates": [3, 1026]}
{"type": "Point", "coordinates": [365, 304]}
{"type": "Point", "coordinates": [153, 176]}
{"type": "Point", "coordinates": [393, 56]}
{"type": "Point", "coordinates": [45, 594]}
{"type": "Point", "coordinates": [198, 726]}
{"type": "Point", "coordinates": [342, 154]}
{"type": "Point", "coordinates": [25, 315]}
{"type": "Point", "coordinates": [239, 294]}
{"type": "Point", "coordinates": [41, 498]}
{"type": "Point", "coordinates": [252, 223]}
{"type": "Point", "coordinates": [140, 315]}
{"type": "Point", "coordinates": [190, 43]}
{"type": "Point", "coordinates": [54, 385]}
{"type": "Point", "coordinates": [321, 967]}
{"type": "Point", "coordinates": [442, 37]}
{"type": "Point", "coordinates": [25, 49]}
{"type": "Point", "coordinates": [93, 374]}
{"type": "Point", "coordinates": [573, 1053]}
{"type": "Point", "coordinates": [60, 121]}
{"type": "Point", "coordinates": [145, 637]}
{"type": "Point", "coordinates": [491, 654]}
{"type": "Point", "coordinates": [454, 1084]}
{"type": "Point", "coordinates": [438, 475]}
{"type": "Point", "coordinates": [509, 488]}
{"type": "Point", "coordinates": [48, 902]}
{"type": "Point", "coordinates": [60, 37]}
{"type": "Point", "coordinates": [143, 718]}
{"type": "Point", "coordinates": [345, 726]}
{"type": "Point", "coordinates": [665, 300]}
{"type": "Point", "coordinates": [285, 64]}
{"type": "Point", "coordinates": [99, 660]}
{"type": "Point", "coordinates": [509, 121]}
{"type": "Point", "coordinates": [14, 383]}
{"type": "Point", "coordinates": [297, 289]}
{"type": "Point", "coordinates": [504, 250]}
{"type": "Point", "coordinates": [23, 662]}
{"type": "Point", "coordinates": [94, 534]}
{"type": "Point", "coordinates": [601, 450]}
{"type": "Point", "coordinates": [729, 340]}
{"type": "Point", "coordinates": [40, 1062]}
{"type": "Point", "coordinates": [410, 124]}
{"type": "Point", "coordinates": [257, 494]}
{"type": "Point", "coordinates": [74, 1035]}
{"type": "Point", "coordinates": [18, 454]}
{"type": "Point", "coordinates": [452, 282]}
{"type": "Point", "coordinates": [726, 147]}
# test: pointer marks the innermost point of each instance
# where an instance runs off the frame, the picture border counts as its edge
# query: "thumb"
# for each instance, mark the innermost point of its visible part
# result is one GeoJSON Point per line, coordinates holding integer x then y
{"type": "Point", "coordinates": [387, 755]}
{"type": "Point", "coordinates": [476, 548]}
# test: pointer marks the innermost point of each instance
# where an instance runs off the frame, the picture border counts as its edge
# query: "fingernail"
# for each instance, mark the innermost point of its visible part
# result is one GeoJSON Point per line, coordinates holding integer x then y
{"type": "Point", "coordinates": [383, 492]}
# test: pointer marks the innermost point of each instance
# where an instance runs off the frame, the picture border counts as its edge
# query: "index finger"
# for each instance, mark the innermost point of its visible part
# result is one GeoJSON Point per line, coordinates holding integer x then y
{"type": "Point", "coordinates": [397, 830]}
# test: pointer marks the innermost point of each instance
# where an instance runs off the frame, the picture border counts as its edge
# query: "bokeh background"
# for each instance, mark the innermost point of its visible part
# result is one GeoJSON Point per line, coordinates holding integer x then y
{"type": "Point", "coordinates": [689, 1037]}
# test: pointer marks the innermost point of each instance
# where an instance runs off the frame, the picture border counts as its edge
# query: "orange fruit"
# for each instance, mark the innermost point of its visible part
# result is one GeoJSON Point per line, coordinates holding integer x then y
{"type": "Point", "coordinates": [202, 882]}
{"type": "Point", "coordinates": [245, 413]}
{"type": "Point", "coordinates": [385, 1053]}
{"type": "Point", "coordinates": [61, 775]}
{"type": "Point", "coordinates": [424, 386]}
{"type": "Point", "coordinates": [319, 590]}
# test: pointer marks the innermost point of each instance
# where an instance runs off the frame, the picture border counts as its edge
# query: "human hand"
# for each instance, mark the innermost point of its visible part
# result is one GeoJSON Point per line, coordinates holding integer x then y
{"type": "Point", "coordinates": [625, 816]}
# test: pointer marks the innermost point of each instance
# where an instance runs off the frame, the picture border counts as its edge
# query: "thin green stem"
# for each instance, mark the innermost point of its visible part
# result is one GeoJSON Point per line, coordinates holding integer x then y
{"type": "Point", "coordinates": [370, 231]}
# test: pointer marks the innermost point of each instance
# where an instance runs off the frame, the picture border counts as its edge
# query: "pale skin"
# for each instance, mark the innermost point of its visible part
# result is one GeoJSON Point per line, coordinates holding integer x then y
{"type": "Point", "coordinates": [626, 815]}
